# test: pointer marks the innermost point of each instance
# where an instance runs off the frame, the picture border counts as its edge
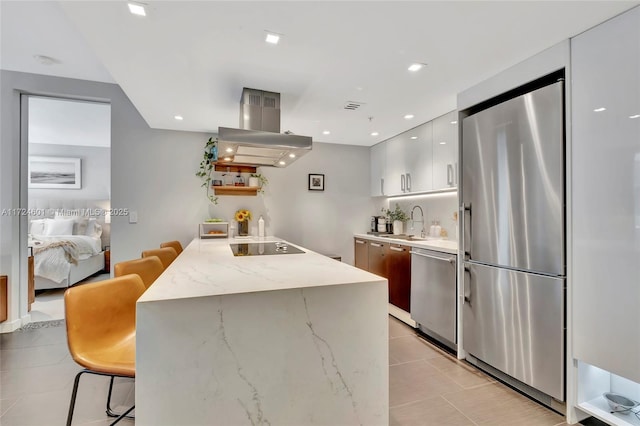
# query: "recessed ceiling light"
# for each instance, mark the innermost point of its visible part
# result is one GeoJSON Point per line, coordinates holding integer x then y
{"type": "Point", "coordinates": [292, 155]}
{"type": "Point", "coordinates": [454, 122]}
{"type": "Point", "coordinates": [415, 67]}
{"type": "Point", "coordinates": [272, 38]}
{"type": "Point", "coordinates": [178, 117]}
{"type": "Point", "coordinates": [443, 143]}
{"type": "Point", "coordinates": [599, 109]}
{"type": "Point", "coordinates": [635, 116]}
{"type": "Point", "coordinates": [137, 9]}
{"type": "Point", "coordinates": [408, 116]}
{"type": "Point", "coordinates": [326, 132]}
{"type": "Point", "coordinates": [374, 133]}
{"type": "Point", "coordinates": [414, 137]}
{"type": "Point", "coordinates": [229, 149]}
{"type": "Point", "coordinates": [282, 163]}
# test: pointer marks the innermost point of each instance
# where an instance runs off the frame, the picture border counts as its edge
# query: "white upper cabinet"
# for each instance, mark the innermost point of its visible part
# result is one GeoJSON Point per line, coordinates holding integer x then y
{"type": "Point", "coordinates": [605, 193]}
{"type": "Point", "coordinates": [445, 151]}
{"type": "Point", "coordinates": [378, 155]}
{"type": "Point", "coordinates": [395, 182]}
{"type": "Point", "coordinates": [418, 158]}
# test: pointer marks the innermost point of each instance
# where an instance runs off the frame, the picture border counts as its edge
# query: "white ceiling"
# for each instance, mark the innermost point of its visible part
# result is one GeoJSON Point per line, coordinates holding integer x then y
{"type": "Point", "coordinates": [193, 58]}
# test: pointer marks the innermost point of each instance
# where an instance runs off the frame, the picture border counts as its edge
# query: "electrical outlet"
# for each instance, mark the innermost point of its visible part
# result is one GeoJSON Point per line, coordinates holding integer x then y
{"type": "Point", "coordinates": [133, 216]}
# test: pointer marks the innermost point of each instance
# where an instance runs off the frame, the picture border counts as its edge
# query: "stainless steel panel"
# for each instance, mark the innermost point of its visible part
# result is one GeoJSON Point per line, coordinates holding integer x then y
{"type": "Point", "coordinates": [513, 182]}
{"type": "Point", "coordinates": [433, 292]}
{"type": "Point", "coordinates": [514, 321]}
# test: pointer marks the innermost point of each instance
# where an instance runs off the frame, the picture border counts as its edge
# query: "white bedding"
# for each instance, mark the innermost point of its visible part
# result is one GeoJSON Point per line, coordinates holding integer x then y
{"type": "Point", "coordinates": [54, 255]}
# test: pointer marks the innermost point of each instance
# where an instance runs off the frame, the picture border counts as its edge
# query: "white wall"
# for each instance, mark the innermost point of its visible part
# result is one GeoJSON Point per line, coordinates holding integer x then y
{"type": "Point", "coordinates": [323, 221]}
{"type": "Point", "coordinates": [95, 169]}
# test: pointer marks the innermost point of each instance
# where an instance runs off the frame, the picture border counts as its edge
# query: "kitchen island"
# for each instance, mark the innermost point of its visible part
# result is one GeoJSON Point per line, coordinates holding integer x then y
{"type": "Point", "coordinates": [281, 339]}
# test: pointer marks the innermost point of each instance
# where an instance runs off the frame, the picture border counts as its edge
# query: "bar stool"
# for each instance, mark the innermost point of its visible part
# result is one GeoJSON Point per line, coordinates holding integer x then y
{"type": "Point", "coordinates": [101, 331]}
{"type": "Point", "coordinates": [175, 244]}
{"type": "Point", "coordinates": [148, 268]}
{"type": "Point", "coordinates": [166, 255]}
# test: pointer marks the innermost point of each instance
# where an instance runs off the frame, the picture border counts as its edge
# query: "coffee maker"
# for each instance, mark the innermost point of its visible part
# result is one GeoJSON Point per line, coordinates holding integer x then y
{"type": "Point", "coordinates": [374, 224]}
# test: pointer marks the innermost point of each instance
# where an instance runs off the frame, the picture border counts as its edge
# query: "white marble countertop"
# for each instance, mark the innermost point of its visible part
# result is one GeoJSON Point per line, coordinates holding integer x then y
{"type": "Point", "coordinates": [207, 267]}
{"type": "Point", "coordinates": [445, 246]}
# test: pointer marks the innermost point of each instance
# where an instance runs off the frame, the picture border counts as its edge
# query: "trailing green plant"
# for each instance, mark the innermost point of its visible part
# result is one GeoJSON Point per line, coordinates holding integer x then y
{"type": "Point", "coordinates": [263, 181]}
{"type": "Point", "coordinates": [206, 168]}
{"type": "Point", "coordinates": [396, 214]}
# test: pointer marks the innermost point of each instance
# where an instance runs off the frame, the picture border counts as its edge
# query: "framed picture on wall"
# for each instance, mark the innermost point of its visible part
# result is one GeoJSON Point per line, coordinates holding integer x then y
{"type": "Point", "coordinates": [55, 173]}
{"type": "Point", "coordinates": [316, 182]}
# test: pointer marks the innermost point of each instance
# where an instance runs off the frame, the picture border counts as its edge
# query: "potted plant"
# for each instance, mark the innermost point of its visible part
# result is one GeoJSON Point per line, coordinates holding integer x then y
{"type": "Point", "coordinates": [258, 180]}
{"type": "Point", "coordinates": [398, 217]}
{"type": "Point", "coordinates": [206, 167]}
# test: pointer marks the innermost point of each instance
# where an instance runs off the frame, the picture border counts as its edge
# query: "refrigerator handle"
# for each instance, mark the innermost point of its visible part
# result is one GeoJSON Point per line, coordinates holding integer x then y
{"type": "Point", "coordinates": [402, 183]}
{"type": "Point", "coordinates": [466, 229]}
{"type": "Point", "coordinates": [382, 186]}
{"type": "Point", "coordinates": [466, 295]}
{"type": "Point", "coordinates": [408, 179]}
{"type": "Point", "coordinates": [450, 174]}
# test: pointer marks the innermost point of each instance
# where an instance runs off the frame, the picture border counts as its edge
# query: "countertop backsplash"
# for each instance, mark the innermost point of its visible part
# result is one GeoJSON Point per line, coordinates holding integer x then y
{"type": "Point", "coordinates": [440, 207]}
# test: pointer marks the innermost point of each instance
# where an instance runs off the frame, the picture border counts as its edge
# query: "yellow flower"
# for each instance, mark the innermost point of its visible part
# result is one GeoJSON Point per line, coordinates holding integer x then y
{"type": "Point", "coordinates": [242, 215]}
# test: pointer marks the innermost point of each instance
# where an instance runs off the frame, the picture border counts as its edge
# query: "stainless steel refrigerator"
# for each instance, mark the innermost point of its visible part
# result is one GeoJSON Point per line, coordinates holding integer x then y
{"type": "Point", "coordinates": [513, 201]}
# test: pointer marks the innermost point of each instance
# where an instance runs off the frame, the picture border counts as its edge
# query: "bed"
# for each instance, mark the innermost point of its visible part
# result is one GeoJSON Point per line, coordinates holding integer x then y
{"type": "Point", "coordinates": [67, 248]}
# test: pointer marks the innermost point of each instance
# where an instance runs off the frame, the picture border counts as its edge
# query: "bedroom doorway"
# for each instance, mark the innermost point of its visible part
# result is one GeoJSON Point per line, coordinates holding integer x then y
{"type": "Point", "coordinates": [68, 198]}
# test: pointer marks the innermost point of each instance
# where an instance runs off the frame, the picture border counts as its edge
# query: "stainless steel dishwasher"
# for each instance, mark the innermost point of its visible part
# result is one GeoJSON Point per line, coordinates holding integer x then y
{"type": "Point", "coordinates": [433, 294]}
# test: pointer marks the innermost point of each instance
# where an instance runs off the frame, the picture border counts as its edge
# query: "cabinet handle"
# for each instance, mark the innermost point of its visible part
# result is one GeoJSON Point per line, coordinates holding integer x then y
{"type": "Point", "coordinates": [450, 174]}
{"type": "Point", "coordinates": [408, 182]}
{"type": "Point", "coordinates": [376, 244]}
{"type": "Point", "coordinates": [402, 183]}
{"type": "Point", "coordinates": [360, 242]}
{"type": "Point", "coordinates": [396, 248]}
{"type": "Point", "coordinates": [382, 186]}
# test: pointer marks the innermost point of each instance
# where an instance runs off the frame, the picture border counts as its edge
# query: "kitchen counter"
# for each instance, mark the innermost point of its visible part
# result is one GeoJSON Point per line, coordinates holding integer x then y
{"type": "Point", "coordinates": [445, 246]}
{"type": "Point", "coordinates": [281, 339]}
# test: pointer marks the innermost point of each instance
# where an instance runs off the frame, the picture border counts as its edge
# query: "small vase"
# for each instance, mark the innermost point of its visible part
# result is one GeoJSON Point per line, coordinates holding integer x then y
{"type": "Point", "coordinates": [243, 228]}
{"type": "Point", "coordinates": [397, 227]}
{"type": "Point", "coordinates": [254, 182]}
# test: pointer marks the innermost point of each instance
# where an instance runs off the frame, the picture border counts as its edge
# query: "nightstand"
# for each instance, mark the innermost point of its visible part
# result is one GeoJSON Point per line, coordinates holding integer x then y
{"type": "Point", "coordinates": [107, 259]}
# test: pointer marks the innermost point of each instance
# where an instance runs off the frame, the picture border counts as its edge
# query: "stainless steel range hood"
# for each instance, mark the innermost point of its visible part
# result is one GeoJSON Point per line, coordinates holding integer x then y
{"type": "Point", "coordinates": [258, 141]}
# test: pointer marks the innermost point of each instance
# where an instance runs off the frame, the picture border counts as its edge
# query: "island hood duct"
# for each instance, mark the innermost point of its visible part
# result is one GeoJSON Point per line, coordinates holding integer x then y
{"type": "Point", "coordinates": [258, 141]}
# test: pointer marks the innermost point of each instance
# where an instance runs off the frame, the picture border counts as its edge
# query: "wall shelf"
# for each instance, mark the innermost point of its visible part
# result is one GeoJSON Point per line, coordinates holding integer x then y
{"type": "Point", "coordinates": [236, 168]}
{"type": "Point", "coordinates": [235, 190]}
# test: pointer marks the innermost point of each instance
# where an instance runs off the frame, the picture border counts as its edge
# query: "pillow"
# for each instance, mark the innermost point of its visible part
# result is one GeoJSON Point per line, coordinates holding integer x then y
{"type": "Point", "coordinates": [80, 225]}
{"type": "Point", "coordinates": [58, 227]}
{"type": "Point", "coordinates": [93, 228]}
{"type": "Point", "coordinates": [37, 226]}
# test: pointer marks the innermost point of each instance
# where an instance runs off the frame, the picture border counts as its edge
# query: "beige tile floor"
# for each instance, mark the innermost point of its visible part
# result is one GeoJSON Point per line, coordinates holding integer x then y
{"type": "Point", "coordinates": [427, 386]}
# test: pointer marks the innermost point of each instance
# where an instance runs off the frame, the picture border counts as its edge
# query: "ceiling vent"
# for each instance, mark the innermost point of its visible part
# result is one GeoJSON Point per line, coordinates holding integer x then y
{"type": "Point", "coordinates": [353, 105]}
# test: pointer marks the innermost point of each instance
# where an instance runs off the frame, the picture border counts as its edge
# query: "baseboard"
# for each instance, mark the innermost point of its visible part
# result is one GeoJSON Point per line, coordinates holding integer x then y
{"type": "Point", "coordinates": [402, 315]}
{"type": "Point", "coordinates": [11, 326]}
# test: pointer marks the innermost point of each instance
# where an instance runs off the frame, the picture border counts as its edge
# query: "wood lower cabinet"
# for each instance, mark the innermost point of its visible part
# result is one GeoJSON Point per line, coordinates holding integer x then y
{"type": "Point", "coordinates": [391, 261]}
{"type": "Point", "coordinates": [399, 276]}
{"type": "Point", "coordinates": [378, 258]}
{"type": "Point", "coordinates": [361, 248]}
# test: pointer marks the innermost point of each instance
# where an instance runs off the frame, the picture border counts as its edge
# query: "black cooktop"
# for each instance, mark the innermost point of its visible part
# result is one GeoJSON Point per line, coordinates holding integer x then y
{"type": "Point", "coordinates": [263, 249]}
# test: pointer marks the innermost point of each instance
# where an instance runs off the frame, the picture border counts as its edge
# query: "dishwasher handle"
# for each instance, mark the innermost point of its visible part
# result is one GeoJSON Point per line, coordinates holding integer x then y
{"type": "Point", "coordinates": [449, 259]}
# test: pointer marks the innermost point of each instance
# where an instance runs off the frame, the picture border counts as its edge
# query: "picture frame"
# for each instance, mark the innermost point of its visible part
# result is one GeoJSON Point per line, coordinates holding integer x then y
{"type": "Point", "coordinates": [316, 182]}
{"type": "Point", "coordinates": [55, 172]}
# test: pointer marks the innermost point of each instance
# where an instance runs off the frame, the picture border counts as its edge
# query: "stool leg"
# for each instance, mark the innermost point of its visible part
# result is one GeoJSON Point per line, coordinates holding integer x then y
{"type": "Point", "coordinates": [74, 393]}
{"type": "Point", "coordinates": [110, 412]}
{"type": "Point", "coordinates": [123, 415]}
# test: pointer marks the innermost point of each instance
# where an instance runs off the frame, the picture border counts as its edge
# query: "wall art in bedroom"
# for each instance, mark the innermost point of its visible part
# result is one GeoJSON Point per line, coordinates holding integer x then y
{"type": "Point", "coordinates": [54, 172]}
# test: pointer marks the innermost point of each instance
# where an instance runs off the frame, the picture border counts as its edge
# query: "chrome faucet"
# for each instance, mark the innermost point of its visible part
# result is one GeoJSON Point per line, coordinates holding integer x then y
{"type": "Point", "coordinates": [422, 232]}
